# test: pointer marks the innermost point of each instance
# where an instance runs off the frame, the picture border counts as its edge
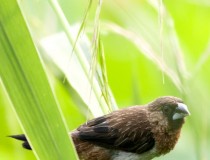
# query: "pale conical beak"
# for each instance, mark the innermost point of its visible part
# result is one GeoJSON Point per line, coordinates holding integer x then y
{"type": "Point", "coordinates": [181, 111]}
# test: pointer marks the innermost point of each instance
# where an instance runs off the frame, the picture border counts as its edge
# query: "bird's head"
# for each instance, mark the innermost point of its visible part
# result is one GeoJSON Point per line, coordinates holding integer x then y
{"type": "Point", "coordinates": [169, 111]}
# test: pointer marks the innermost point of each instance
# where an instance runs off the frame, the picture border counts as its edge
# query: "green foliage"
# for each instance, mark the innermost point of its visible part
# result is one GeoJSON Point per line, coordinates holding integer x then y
{"type": "Point", "coordinates": [28, 88]}
{"type": "Point", "coordinates": [151, 48]}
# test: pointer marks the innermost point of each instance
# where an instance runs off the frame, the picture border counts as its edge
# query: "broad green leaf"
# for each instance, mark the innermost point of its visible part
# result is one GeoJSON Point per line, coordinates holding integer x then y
{"type": "Point", "coordinates": [28, 88]}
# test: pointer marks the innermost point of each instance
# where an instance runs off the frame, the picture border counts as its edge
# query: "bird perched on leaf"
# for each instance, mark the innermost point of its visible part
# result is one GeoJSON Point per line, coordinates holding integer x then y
{"type": "Point", "coordinates": [135, 133]}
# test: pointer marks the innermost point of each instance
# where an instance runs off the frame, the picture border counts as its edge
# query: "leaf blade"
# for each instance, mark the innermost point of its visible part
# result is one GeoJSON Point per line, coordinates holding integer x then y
{"type": "Point", "coordinates": [28, 88]}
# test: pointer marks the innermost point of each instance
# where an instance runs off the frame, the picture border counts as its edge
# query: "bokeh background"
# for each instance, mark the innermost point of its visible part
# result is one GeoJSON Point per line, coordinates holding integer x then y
{"type": "Point", "coordinates": [152, 48]}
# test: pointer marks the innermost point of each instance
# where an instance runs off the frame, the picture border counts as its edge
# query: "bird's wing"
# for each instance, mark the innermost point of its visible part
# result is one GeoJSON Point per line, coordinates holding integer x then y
{"type": "Point", "coordinates": [128, 131]}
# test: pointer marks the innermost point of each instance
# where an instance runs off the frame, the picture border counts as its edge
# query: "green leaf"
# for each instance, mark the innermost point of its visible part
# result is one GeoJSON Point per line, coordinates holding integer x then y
{"type": "Point", "coordinates": [28, 88]}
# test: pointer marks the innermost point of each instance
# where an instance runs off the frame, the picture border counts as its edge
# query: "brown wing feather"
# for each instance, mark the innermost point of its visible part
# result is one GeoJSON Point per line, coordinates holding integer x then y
{"type": "Point", "coordinates": [126, 130]}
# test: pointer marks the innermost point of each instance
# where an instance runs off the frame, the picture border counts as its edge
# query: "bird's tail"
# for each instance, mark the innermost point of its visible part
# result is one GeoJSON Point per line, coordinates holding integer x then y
{"type": "Point", "coordinates": [23, 138]}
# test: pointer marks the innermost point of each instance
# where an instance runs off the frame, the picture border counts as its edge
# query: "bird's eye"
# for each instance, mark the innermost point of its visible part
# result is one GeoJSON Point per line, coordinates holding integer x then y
{"type": "Point", "coordinates": [166, 109]}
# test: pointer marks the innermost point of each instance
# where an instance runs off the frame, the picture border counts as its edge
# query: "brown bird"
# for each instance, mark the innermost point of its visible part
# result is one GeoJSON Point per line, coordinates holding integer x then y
{"type": "Point", "coordinates": [134, 133]}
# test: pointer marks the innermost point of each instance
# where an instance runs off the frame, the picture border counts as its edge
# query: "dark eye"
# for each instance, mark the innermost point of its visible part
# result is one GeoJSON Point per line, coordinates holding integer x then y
{"type": "Point", "coordinates": [166, 109]}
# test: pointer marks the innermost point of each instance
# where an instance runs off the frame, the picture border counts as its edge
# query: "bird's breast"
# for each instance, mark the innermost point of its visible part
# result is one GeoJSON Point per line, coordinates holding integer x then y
{"type": "Point", "coordinates": [165, 142]}
{"type": "Point", "coordinates": [121, 155]}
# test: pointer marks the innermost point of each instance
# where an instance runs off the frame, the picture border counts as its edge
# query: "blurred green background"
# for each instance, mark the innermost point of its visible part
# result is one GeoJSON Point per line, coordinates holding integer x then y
{"type": "Point", "coordinates": [152, 48]}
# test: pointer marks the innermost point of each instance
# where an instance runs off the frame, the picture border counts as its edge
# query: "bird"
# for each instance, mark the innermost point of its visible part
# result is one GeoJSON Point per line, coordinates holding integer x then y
{"type": "Point", "coordinates": [139, 132]}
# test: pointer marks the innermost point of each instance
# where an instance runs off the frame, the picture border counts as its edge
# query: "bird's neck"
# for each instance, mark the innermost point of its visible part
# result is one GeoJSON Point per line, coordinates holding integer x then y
{"type": "Point", "coordinates": [165, 141]}
{"type": "Point", "coordinates": [166, 135]}
{"type": "Point", "coordinates": [176, 124]}
{"type": "Point", "coordinates": [166, 138]}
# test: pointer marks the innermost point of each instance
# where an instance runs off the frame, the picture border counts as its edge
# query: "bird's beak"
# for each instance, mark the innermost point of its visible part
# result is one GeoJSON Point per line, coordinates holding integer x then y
{"type": "Point", "coordinates": [181, 111]}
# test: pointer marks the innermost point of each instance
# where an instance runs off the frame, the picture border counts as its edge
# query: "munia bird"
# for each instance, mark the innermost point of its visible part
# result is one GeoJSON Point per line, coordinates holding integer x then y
{"type": "Point", "coordinates": [135, 133]}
